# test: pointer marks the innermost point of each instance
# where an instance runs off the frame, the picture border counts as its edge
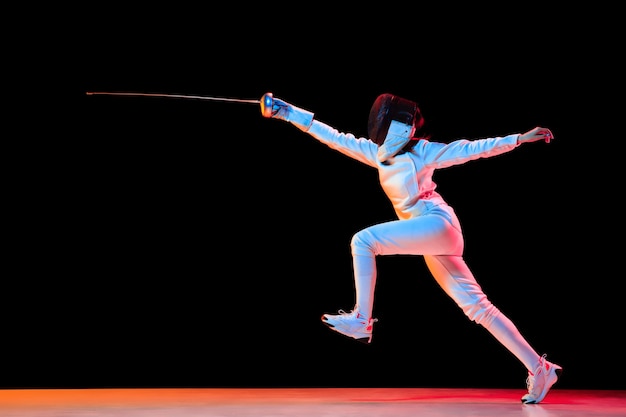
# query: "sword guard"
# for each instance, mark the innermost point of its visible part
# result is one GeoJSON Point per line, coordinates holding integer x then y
{"type": "Point", "coordinates": [267, 103]}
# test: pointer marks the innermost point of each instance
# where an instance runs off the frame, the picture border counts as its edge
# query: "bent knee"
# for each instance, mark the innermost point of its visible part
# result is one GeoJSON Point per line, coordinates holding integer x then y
{"type": "Point", "coordinates": [363, 243]}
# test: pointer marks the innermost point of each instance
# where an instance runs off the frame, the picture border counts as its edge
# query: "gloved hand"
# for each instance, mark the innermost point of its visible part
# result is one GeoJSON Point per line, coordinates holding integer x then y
{"type": "Point", "coordinates": [533, 135]}
{"type": "Point", "coordinates": [282, 110]}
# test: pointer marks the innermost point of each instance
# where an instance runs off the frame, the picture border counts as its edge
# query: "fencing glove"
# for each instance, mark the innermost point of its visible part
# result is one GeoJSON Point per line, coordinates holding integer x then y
{"type": "Point", "coordinates": [282, 110]}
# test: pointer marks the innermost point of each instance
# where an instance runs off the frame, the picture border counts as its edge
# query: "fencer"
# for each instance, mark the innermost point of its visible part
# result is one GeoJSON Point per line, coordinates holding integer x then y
{"type": "Point", "coordinates": [426, 225]}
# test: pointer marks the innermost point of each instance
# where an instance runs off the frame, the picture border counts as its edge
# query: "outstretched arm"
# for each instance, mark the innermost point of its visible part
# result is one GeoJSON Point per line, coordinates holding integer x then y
{"type": "Point", "coordinates": [538, 133]}
{"type": "Point", "coordinates": [457, 152]}
{"type": "Point", "coordinates": [361, 149]}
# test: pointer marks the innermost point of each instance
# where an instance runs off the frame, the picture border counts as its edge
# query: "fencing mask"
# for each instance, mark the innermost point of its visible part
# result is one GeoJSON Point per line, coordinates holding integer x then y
{"type": "Point", "coordinates": [390, 124]}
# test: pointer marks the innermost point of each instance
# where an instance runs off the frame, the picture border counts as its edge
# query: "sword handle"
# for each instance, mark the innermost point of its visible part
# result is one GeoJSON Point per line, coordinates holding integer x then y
{"type": "Point", "coordinates": [267, 102]}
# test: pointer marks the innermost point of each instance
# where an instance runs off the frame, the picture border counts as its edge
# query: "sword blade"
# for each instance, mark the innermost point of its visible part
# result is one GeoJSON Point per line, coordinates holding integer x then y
{"type": "Point", "coordinates": [238, 100]}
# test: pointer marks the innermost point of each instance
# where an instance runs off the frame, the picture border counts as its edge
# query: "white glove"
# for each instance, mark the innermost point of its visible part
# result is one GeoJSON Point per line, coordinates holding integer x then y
{"type": "Point", "coordinates": [538, 133]}
{"type": "Point", "coordinates": [282, 110]}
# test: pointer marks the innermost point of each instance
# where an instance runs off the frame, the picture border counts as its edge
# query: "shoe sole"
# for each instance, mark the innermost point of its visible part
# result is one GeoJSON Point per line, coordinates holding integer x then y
{"type": "Point", "coordinates": [555, 374]}
{"type": "Point", "coordinates": [365, 340]}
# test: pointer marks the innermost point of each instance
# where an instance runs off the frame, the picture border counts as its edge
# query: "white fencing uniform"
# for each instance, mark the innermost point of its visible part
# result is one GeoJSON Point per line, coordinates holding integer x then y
{"type": "Point", "coordinates": [426, 225]}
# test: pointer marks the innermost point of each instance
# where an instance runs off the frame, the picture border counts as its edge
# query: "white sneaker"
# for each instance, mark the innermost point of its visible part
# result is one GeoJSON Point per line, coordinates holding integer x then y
{"type": "Point", "coordinates": [352, 324]}
{"type": "Point", "coordinates": [540, 381]}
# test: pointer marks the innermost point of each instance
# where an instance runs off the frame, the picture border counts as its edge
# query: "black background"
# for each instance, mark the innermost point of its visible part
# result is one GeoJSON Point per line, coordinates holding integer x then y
{"type": "Point", "coordinates": [183, 242]}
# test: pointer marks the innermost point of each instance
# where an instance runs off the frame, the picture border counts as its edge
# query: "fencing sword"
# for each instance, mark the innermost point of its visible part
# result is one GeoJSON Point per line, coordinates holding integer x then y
{"type": "Point", "coordinates": [266, 101]}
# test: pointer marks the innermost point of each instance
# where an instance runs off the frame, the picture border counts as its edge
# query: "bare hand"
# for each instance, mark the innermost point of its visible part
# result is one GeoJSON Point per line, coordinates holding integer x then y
{"type": "Point", "coordinates": [536, 134]}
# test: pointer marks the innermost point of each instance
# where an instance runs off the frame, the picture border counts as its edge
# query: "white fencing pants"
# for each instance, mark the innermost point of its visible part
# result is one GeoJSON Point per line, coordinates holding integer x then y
{"type": "Point", "coordinates": [436, 234]}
